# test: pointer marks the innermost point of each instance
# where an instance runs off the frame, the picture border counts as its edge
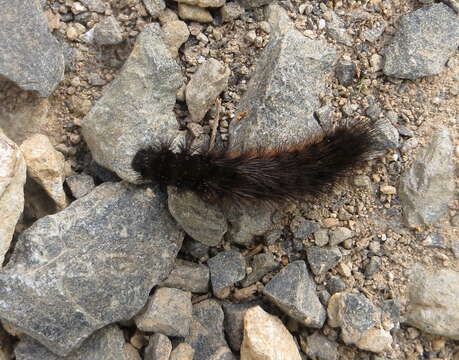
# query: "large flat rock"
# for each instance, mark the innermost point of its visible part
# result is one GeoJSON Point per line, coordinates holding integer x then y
{"type": "Point", "coordinates": [90, 265]}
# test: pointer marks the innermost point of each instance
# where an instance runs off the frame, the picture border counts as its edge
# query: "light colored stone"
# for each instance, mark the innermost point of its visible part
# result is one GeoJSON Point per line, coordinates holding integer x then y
{"type": "Point", "coordinates": [194, 13]}
{"type": "Point", "coordinates": [375, 340]}
{"type": "Point", "coordinates": [130, 352]}
{"type": "Point", "coordinates": [203, 3]}
{"type": "Point", "coordinates": [46, 166]}
{"type": "Point", "coordinates": [159, 348]}
{"type": "Point", "coordinates": [175, 33]}
{"type": "Point", "coordinates": [205, 85]}
{"type": "Point", "coordinates": [266, 338]}
{"type": "Point", "coordinates": [12, 180]}
{"type": "Point", "coordinates": [183, 351]}
{"type": "Point", "coordinates": [154, 7]}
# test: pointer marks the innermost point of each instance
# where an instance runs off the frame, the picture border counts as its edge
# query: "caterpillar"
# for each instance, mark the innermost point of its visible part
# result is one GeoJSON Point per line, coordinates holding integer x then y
{"type": "Point", "coordinates": [272, 175]}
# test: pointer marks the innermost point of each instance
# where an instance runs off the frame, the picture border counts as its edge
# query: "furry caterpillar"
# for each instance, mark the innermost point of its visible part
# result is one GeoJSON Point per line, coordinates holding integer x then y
{"type": "Point", "coordinates": [273, 175]}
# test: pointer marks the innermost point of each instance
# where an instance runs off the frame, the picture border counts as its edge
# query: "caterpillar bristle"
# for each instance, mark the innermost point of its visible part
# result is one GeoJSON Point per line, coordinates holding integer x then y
{"type": "Point", "coordinates": [269, 175]}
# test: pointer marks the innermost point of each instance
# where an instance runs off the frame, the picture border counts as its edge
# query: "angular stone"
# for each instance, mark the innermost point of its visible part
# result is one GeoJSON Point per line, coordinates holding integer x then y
{"type": "Point", "coordinates": [130, 352]}
{"type": "Point", "coordinates": [265, 337]}
{"type": "Point", "coordinates": [206, 333]}
{"type": "Point", "coordinates": [294, 291]}
{"type": "Point", "coordinates": [317, 346]}
{"type": "Point", "coordinates": [45, 166]}
{"type": "Point", "coordinates": [154, 7]}
{"type": "Point", "coordinates": [322, 259]}
{"type": "Point", "coordinates": [261, 265]}
{"type": "Point", "coordinates": [80, 185]}
{"type": "Point", "coordinates": [105, 344]}
{"type": "Point", "coordinates": [339, 234]}
{"type": "Point", "coordinates": [302, 228]}
{"type": "Point", "coordinates": [168, 312]}
{"type": "Point", "coordinates": [278, 106]}
{"type": "Point", "coordinates": [159, 348]}
{"type": "Point", "coordinates": [205, 85]}
{"type": "Point", "coordinates": [31, 57]}
{"type": "Point", "coordinates": [136, 108]}
{"type": "Point", "coordinates": [12, 180]}
{"type": "Point", "coordinates": [254, 3]}
{"type": "Point", "coordinates": [427, 187]}
{"type": "Point", "coordinates": [108, 32]}
{"type": "Point", "coordinates": [175, 34]}
{"type": "Point", "coordinates": [423, 42]}
{"type": "Point", "coordinates": [346, 72]}
{"type": "Point", "coordinates": [359, 321]}
{"type": "Point", "coordinates": [194, 13]}
{"type": "Point", "coordinates": [432, 301]}
{"type": "Point", "coordinates": [204, 222]}
{"type": "Point", "coordinates": [90, 265]}
{"type": "Point", "coordinates": [188, 276]}
{"type": "Point", "coordinates": [231, 11]}
{"type": "Point", "coordinates": [204, 3]}
{"type": "Point", "coordinates": [183, 351]}
{"type": "Point", "coordinates": [226, 268]}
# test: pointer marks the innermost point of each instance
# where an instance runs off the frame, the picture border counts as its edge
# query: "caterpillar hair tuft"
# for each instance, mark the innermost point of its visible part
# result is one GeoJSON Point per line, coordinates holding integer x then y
{"type": "Point", "coordinates": [270, 175]}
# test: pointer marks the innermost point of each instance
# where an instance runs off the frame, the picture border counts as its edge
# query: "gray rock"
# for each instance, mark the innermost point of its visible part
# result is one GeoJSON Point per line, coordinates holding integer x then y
{"type": "Point", "coordinates": [373, 111]}
{"type": "Point", "coordinates": [159, 348]}
{"type": "Point", "coordinates": [388, 137]}
{"type": "Point", "coordinates": [391, 312]}
{"type": "Point", "coordinates": [324, 296]}
{"type": "Point", "coordinates": [423, 42]}
{"type": "Point", "coordinates": [359, 321]}
{"type": "Point", "coordinates": [435, 240]}
{"type": "Point", "coordinates": [73, 273]}
{"type": "Point", "coordinates": [206, 335]}
{"type": "Point", "coordinates": [294, 291]}
{"type": "Point", "coordinates": [321, 237]}
{"type": "Point", "coordinates": [205, 85]}
{"type": "Point", "coordinates": [168, 312]}
{"type": "Point", "coordinates": [432, 301]}
{"type": "Point", "coordinates": [204, 222]}
{"type": "Point", "coordinates": [247, 221]}
{"type": "Point", "coordinates": [188, 276]}
{"type": "Point", "coordinates": [325, 116]}
{"type": "Point", "coordinates": [31, 57]}
{"type": "Point", "coordinates": [282, 94]}
{"type": "Point", "coordinates": [302, 228]}
{"type": "Point", "coordinates": [234, 322]}
{"type": "Point", "coordinates": [136, 108]}
{"type": "Point", "coordinates": [231, 11]}
{"type": "Point", "coordinates": [254, 3]}
{"type": "Point", "coordinates": [196, 249]}
{"type": "Point", "coordinates": [80, 185]}
{"type": "Point", "coordinates": [105, 344]}
{"type": "Point", "coordinates": [335, 285]}
{"type": "Point", "coordinates": [95, 5]}
{"type": "Point", "coordinates": [428, 186]}
{"type": "Point", "coordinates": [346, 72]}
{"type": "Point", "coordinates": [226, 268]}
{"type": "Point", "coordinates": [338, 235]}
{"type": "Point", "coordinates": [373, 266]}
{"type": "Point", "coordinates": [154, 7]}
{"type": "Point", "coordinates": [261, 265]}
{"type": "Point", "coordinates": [108, 32]}
{"type": "Point", "coordinates": [374, 33]}
{"type": "Point", "coordinates": [318, 347]}
{"type": "Point", "coordinates": [337, 31]}
{"type": "Point", "coordinates": [322, 259]}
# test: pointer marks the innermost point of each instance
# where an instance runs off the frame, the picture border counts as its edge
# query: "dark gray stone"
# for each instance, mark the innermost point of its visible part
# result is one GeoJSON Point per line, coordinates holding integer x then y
{"type": "Point", "coordinates": [136, 108]}
{"type": "Point", "coordinates": [346, 72]}
{"type": "Point", "coordinates": [234, 322]}
{"type": "Point", "coordinates": [80, 185]}
{"type": "Point", "coordinates": [423, 42]}
{"type": "Point", "coordinates": [272, 236]}
{"type": "Point", "coordinates": [204, 222]}
{"type": "Point", "coordinates": [108, 32]}
{"type": "Point", "coordinates": [196, 249]}
{"type": "Point", "coordinates": [318, 347]}
{"type": "Point", "coordinates": [159, 348]}
{"type": "Point", "coordinates": [324, 296]}
{"type": "Point", "coordinates": [226, 268]}
{"type": "Point", "coordinates": [373, 266]}
{"type": "Point", "coordinates": [435, 240]}
{"type": "Point", "coordinates": [427, 187]}
{"type": "Point", "coordinates": [90, 265]}
{"type": "Point", "coordinates": [302, 228]}
{"type": "Point", "coordinates": [282, 94]}
{"type": "Point", "coordinates": [31, 57]}
{"type": "Point", "coordinates": [391, 311]}
{"type": "Point", "coordinates": [294, 291]}
{"type": "Point", "coordinates": [188, 276]}
{"type": "Point", "coordinates": [335, 285]}
{"type": "Point", "coordinates": [168, 312]}
{"type": "Point", "coordinates": [388, 137]}
{"type": "Point", "coordinates": [104, 344]}
{"type": "Point", "coordinates": [206, 336]}
{"type": "Point", "coordinates": [322, 259]}
{"type": "Point", "coordinates": [261, 265]}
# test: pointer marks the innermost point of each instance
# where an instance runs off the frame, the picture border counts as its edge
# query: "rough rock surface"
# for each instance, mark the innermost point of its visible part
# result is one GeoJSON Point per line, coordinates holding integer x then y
{"type": "Point", "coordinates": [282, 92]}
{"type": "Point", "coordinates": [266, 338]}
{"type": "Point", "coordinates": [205, 85]}
{"type": "Point", "coordinates": [226, 268]}
{"type": "Point", "coordinates": [204, 222]}
{"type": "Point", "coordinates": [104, 344]}
{"type": "Point", "coordinates": [206, 333]}
{"type": "Point", "coordinates": [317, 346]}
{"type": "Point", "coordinates": [168, 312]}
{"type": "Point", "coordinates": [30, 56]}
{"type": "Point", "coordinates": [322, 259]}
{"type": "Point", "coordinates": [159, 348]}
{"type": "Point", "coordinates": [108, 32]}
{"type": "Point", "coordinates": [136, 108]}
{"type": "Point", "coordinates": [261, 265]}
{"type": "Point", "coordinates": [427, 187]}
{"type": "Point", "coordinates": [175, 33]}
{"type": "Point", "coordinates": [294, 291]}
{"type": "Point", "coordinates": [359, 321]}
{"type": "Point", "coordinates": [188, 276]}
{"type": "Point", "coordinates": [80, 185]}
{"type": "Point", "coordinates": [92, 264]}
{"type": "Point", "coordinates": [432, 301]}
{"type": "Point", "coordinates": [154, 7]}
{"type": "Point", "coordinates": [423, 42]}
{"type": "Point", "coordinates": [12, 180]}
{"type": "Point", "coordinates": [194, 13]}
{"type": "Point", "coordinates": [204, 3]}
{"type": "Point", "coordinates": [254, 3]}
{"type": "Point", "coordinates": [46, 165]}
{"type": "Point", "coordinates": [183, 351]}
